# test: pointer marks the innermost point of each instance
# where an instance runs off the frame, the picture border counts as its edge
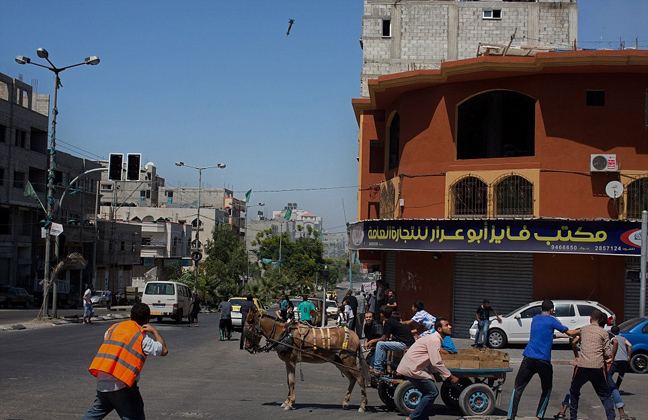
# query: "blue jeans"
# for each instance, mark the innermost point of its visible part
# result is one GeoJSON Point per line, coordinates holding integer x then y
{"type": "Point", "coordinates": [127, 402]}
{"type": "Point", "coordinates": [382, 347]}
{"type": "Point", "coordinates": [88, 311]}
{"type": "Point", "coordinates": [430, 392]}
{"type": "Point", "coordinates": [482, 330]}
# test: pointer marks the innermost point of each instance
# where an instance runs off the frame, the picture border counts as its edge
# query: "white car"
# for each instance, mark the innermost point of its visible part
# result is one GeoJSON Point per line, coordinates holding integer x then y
{"type": "Point", "coordinates": [99, 298]}
{"type": "Point", "coordinates": [331, 309]}
{"type": "Point", "coordinates": [516, 326]}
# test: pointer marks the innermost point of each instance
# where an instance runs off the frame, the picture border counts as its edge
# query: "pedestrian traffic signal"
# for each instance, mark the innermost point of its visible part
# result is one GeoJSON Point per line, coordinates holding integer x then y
{"type": "Point", "coordinates": [133, 161]}
{"type": "Point", "coordinates": [115, 165]}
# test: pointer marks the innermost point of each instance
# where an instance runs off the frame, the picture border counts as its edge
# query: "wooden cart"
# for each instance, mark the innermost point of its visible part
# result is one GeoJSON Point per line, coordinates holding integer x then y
{"type": "Point", "coordinates": [481, 374]}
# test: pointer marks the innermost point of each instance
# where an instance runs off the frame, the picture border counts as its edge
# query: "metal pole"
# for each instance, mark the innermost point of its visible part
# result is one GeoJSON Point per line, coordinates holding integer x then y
{"type": "Point", "coordinates": [198, 229]}
{"type": "Point", "coordinates": [644, 257]}
{"type": "Point", "coordinates": [325, 274]}
{"type": "Point", "coordinates": [280, 235]}
{"type": "Point", "coordinates": [247, 253]}
{"type": "Point", "coordinates": [50, 203]}
{"type": "Point", "coordinates": [96, 234]}
{"type": "Point", "coordinates": [351, 255]}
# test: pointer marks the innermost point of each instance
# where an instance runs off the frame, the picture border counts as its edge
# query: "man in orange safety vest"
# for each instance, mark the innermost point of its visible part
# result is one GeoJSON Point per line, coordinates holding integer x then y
{"type": "Point", "coordinates": [118, 364]}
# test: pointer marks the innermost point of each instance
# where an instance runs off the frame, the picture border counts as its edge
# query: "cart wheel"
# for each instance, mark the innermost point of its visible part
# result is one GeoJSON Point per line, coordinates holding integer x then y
{"type": "Point", "coordinates": [450, 393]}
{"type": "Point", "coordinates": [386, 394]}
{"type": "Point", "coordinates": [477, 400]}
{"type": "Point", "coordinates": [407, 397]}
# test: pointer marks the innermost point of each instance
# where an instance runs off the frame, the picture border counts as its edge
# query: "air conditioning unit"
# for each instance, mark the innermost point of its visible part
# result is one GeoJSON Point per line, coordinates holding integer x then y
{"type": "Point", "coordinates": [603, 163]}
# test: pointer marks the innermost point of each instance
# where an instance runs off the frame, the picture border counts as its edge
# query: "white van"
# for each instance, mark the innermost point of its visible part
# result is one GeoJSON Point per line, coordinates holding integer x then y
{"type": "Point", "coordinates": [167, 298]}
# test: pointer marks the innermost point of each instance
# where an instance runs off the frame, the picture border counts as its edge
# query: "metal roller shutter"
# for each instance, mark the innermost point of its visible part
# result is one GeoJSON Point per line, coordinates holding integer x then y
{"type": "Point", "coordinates": [504, 279]}
{"type": "Point", "coordinates": [632, 289]}
{"type": "Point", "coordinates": [390, 269]}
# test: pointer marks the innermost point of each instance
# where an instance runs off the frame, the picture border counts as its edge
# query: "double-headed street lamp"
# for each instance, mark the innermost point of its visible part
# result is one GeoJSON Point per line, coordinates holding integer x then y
{"type": "Point", "coordinates": [199, 169]}
{"type": "Point", "coordinates": [51, 189]}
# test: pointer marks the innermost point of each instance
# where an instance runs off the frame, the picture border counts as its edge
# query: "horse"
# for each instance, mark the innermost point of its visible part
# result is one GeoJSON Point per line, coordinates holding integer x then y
{"type": "Point", "coordinates": [299, 342]}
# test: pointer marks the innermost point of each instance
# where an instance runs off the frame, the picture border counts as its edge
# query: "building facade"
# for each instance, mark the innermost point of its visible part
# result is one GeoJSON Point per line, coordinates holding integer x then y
{"type": "Point", "coordinates": [407, 35]}
{"type": "Point", "coordinates": [24, 162]}
{"type": "Point", "coordinates": [507, 178]}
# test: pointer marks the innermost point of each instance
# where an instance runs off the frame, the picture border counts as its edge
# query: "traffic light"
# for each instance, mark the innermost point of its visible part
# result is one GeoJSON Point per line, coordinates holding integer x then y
{"type": "Point", "coordinates": [115, 165]}
{"type": "Point", "coordinates": [133, 161]}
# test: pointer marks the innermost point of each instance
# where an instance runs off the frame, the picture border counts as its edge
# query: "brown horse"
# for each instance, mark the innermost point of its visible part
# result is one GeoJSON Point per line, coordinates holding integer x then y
{"type": "Point", "coordinates": [302, 343]}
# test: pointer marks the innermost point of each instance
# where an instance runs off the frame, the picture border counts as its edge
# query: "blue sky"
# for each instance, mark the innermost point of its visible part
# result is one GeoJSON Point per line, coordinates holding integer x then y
{"type": "Point", "coordinates": [216, 81]}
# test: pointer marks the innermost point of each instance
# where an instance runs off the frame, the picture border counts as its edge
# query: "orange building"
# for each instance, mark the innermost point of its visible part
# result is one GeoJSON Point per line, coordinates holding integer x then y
{"type": "Point", "coordinates": [507, 178]}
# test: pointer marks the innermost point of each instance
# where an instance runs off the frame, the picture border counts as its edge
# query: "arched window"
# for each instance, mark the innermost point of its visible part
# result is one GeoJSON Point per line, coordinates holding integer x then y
{"type": "Point", "coordinates": [394, 142]}
{"type": "Point", "coordinates": [637, 198]}
{"type": "Point", "coordinates": [496, 124]}
{"type": "Point", "coordinates": [470, 197]}
{"type": "Point", "coordinates": [514, 196]}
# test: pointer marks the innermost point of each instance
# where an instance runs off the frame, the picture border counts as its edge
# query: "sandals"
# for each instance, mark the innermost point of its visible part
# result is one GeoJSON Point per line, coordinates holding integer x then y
{"type": "Point", "coordinates": [626, 417]}
{"type": "Point", "coordinates": [560, 416]}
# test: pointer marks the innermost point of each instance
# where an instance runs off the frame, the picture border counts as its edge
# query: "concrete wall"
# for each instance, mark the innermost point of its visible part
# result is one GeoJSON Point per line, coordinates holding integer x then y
{"type": "Point", "coordinates": [425, 33]}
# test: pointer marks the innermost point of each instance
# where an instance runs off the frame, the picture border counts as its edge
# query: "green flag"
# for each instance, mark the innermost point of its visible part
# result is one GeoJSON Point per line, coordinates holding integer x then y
{"type": "Point", "coordinates": [247, 196]}
{"type": "Point", "coordinates": [288, 214]}
{"type": "Point", "coordinates": [30, 192]}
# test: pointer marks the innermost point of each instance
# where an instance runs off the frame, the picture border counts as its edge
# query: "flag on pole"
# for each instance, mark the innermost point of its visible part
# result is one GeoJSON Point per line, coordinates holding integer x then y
{"type": "Point", "coordinates": [30, 192]}
{"type": "Point", "coordinates": [288, 214]}
{"type": "Point", "coordinates": [247, 196]}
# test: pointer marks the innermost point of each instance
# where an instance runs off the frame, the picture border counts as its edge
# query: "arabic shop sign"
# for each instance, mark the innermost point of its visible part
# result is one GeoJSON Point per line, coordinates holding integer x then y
{"type": "Point", "coordinates": [542, 235]}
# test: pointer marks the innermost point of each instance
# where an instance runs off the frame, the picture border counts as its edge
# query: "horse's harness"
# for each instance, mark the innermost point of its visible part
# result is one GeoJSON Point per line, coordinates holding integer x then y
{"type": "Point", "coordinates": [272, 343]}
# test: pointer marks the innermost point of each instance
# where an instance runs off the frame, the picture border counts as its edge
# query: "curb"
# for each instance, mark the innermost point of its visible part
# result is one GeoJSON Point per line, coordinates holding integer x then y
{"type": "Point", "coordinates": [59, 321]}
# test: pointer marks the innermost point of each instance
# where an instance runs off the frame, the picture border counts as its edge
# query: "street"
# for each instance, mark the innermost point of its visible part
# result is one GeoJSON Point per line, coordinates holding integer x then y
{"type": "Point", "coordinates": [44, 375]}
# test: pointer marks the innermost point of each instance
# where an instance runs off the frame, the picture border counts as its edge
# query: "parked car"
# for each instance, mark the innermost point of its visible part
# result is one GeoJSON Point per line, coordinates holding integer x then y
{"type": "Point", "coordinates": [331, 309]}
{"type": "Point", "coordinates": [237, 321]}
{"type": "Point", "coordinates": [99, 298]}
{"type": "Point", "coordinates": [516, 326]}
{"type": "Point", "coordinates": [15, 296]}
{"type": "Point", "coordinates": [635, 330]}
{"type": "Point", "coordinates": [4, 296]}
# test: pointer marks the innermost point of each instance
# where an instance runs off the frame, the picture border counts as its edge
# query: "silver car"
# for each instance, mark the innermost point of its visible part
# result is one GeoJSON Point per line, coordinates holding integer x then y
{"type": "Point", "coordinates": [516, 326]}
{"type": "Point", "coordinates": [99, 298]}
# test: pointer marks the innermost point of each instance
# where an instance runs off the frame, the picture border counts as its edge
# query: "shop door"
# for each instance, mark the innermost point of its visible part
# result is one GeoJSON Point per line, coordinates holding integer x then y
{"type": "Point", "coordinates": [505, 279]}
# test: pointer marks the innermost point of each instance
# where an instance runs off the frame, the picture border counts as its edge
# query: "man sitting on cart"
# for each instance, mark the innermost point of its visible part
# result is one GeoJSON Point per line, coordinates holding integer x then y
{"type": "Point", "coordinates": [422, 324]}
{"type": "Point", "coordinates": [422, 360]}
{"type": "Point", "coordinates": [401, 339]}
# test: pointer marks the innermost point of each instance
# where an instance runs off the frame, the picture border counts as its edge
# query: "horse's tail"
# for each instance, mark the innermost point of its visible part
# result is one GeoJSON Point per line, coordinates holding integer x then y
{"type": "Point", "coordinates": [364, 368]}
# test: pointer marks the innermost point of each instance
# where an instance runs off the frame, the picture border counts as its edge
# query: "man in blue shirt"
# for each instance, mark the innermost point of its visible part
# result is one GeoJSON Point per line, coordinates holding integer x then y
{"type": "Point", "coordinates": [537, 359]}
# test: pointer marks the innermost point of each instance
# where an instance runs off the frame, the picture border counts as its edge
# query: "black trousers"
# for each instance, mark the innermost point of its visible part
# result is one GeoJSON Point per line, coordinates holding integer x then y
{"type": "Point", "coordinates": [528, 368]}
{"type": "Point", "coordinates": [598, 378]}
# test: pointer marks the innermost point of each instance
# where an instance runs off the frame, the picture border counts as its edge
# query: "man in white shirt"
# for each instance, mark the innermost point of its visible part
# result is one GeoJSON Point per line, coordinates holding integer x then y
{"type": "Point", "coordinates": [88, 310]}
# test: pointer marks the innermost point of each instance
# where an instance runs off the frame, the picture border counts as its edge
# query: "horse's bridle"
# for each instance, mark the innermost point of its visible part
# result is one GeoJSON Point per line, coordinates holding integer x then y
{"type": "Point", "coordinates": [258, 331]}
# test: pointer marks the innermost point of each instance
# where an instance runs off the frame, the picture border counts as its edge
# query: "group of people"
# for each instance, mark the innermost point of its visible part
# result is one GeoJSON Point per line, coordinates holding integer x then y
{"type": "Point", "coordinates": [597, 351]}
{"type": "Point", "coordinates": [425, 337]}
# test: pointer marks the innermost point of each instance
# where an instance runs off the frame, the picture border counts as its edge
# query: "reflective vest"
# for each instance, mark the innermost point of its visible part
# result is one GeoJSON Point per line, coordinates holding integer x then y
{"type": "Point", "coordinates": [121, 353]}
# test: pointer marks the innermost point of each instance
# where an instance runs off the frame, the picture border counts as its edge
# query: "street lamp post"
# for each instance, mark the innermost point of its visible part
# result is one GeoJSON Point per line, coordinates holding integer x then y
{"type": "Point", "coordinates": [199, 169]}
{"type": "Point", "coordinates": [246, 236]}
{"type": "Point", "coordinates": [51, 201]}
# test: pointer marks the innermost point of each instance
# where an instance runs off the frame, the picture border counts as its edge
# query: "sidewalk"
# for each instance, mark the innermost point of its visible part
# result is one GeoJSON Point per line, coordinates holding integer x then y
{"type": "Point", "coordinates": [122, 313]}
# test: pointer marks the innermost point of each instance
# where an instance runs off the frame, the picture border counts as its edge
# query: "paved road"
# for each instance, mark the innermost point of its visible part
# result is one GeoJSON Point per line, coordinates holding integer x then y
{"type": "Point", "coordinates": [43, 375]}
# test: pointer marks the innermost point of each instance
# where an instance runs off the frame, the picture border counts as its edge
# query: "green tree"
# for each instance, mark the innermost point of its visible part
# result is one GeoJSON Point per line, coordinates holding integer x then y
{"type": "Point", "coordinates": [300, 260]}
{"type": "Point", "coordinates": [225, 265]}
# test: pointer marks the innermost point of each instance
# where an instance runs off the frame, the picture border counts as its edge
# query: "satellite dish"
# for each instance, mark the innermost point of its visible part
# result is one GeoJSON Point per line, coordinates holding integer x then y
{"type": "Point", "coordinates": [148, 165]}
{"type": "Point", "coordinates": [614, 189]}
